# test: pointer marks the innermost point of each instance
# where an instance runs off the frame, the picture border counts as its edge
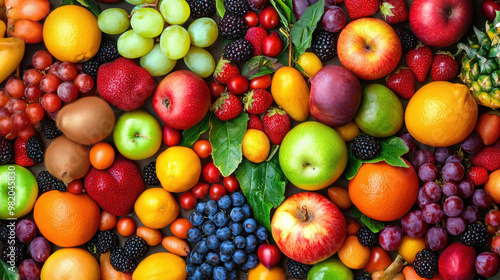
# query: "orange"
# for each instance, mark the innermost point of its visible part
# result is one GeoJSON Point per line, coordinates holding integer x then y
{"type": "Point", "coordinates": [70, 263]}
{"type": "Point", "coordinates": [348, 131]}
{"type": "Point", "coordinates": [310, 63]}
{"type": "Point", "coordinates": [410, 247]}
{"type": "Point", "coordinates": [71, 34]}
{"type": "Point", "coordinates": [178, 169]}
{"type": "Point", "coordinates": [493, 186]}
{"type": "Point", "coordinates": [384, 192]}
{"type": "Point", "coordinates": [255, 145]}
{"type": "Point", "coordinates": [156, 208]}
{"type": "Point", "coordinates": [260, 272]}
{"type": "Point", "coordinates": [353, 254]}
{"type": "Point", "coordinates": [161, 266]}
{"type": "Point", "coordinates": [441, 114]}
{"type": "Point", "coordinates": [66, 219]}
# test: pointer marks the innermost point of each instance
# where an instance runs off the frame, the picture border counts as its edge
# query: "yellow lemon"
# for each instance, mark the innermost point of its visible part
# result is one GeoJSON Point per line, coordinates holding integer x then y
{"type": "Point", "coordinates": [161, 266]}
{"type": "Point", "coordinates": [178, 169]}
{"type": "Point", "coordinates": [255, 145]}
{"type": "Point", "coordinates": [156, 208]}
{"type": "Point", "coordinates": [310, 63]}
{"type": "Point", "coordinates": [70, 263]}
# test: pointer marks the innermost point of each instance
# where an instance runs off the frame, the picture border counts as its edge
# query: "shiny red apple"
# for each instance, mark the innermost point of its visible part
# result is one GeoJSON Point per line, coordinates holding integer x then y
{"type": "Point", "coordinates": [269, 255]}
{"type": "Point", "coordinates": [489, 9]}
{"type": "Point", "coordinates": [456, 262]}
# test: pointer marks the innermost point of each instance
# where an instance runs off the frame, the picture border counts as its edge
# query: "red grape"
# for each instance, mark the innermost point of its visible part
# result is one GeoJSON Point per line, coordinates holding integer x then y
{"type": "Point", "coordinates": [427, 172]}
{"type": "Point", "coordinates": [20, 120]}
{"type": "Point", "coordinates": [49, 83]}
{"type": "Point", "coordinates": [257, 4]}
{"type": "Point", "coordinates": [41, 60]}
{"type": "Point", "coordinates": [67, 91]}
{"type": "Point", "coordinates": [4, 113]}
{"type": "Point", "coordinates": [432, 213]}
{"type": "Point", "coordinates": [453, 172]}
{"type": "Point", "coordinates": [493, 218]}
{"type": "Point", "coordinates": [16, 105]}
{"type": "Point", "coordinates": [473, 143]}
{"type": "Point", "coordinates": [465, 188]}
{"type": "Point", "coordinates": [442, 153]}
{"type": "Point", "coordinates": [422, 198]}
{"type": "Point", "coordinates": [422, 156]}
{"type": "Point", "coordinates": [6, 126]}
{"type": "Point", "coordinates": [391, 237]}
{"type": "Point", "coordinates": [4, 98]}
{"type": "Point", "coordinates": [450, 189]}
{"type": "Point", "coordinates": [413, 224]}
{"type": "Point", "coordinates": [453, 158]}
{"type": "Point", "coordinates": [487, 264]}
{"type": "Point", "coordinates": [26, 230]}
{"type": "Point", "coordinates": [333, 19]}
{"type": "Point", "coordinates": [495, 245]}
{"type": "Point", "coordinates": [35, 112]}
{"type": "Point", "coordinates": [26, 133]}
{"type": "Point", "coordinates": [40, 249]}
{"type": "Point", "coordinates": [410, 142]}
{"type": "Point", "coordinates": [432, 191]}
{"type": "Point", "coordinates": [51, 102]}
{"type": "Point", "coordinates": [32, 92]}
{"type": "Point", "coordinates": [436, 238]}
{"type": "Point", "coordinates": [32, 77]}
{"type": "Point", "coordinates": [455, 225]}
{"type": "Point", "coordinates": [84, 83]}
{"type": "Point", "coordinates": [54, 68]}
{"type": "Point", "coordinates": [15, 88]}
{"type": "Point", "coordinates": [67, 71]}
{"type": "Point", "coordinates": [29, 270]}
{"type": "Point", "coordinates": [471, 214]}
{"type": "Point", "coordinates": [453, 206]}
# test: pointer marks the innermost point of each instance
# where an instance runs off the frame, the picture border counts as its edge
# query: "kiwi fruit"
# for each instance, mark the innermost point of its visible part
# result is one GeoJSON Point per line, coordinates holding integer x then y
{"type": "Point", "coordinates": [88, 120]}
{"type": "Point", "coordinates": [67, 160]}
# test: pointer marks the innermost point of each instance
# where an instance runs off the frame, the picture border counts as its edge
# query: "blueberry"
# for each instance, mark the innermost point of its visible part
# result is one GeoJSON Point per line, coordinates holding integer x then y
{"type": "Point", "coordinates": [200, 207]}
{"type": "Point", "coordinates": [261, 233]}
{"type": "Point", "coordinates": [225, 258]}
{"type": "Point", "coordinates": [237, 214]}
{"type": "Point", "coordinates": [190, 268]}
{"type": "Point", "coordinates": [223, 233]}
{"type": "Point", "coordinates": [201, 247]}
{"type": "Point", "coordinates": [197, 275]}
{"type": "Point", "coordinates": [224, 202]}
{"type": "Point", "coordinates": [250, 225]}
{"type": "Point", "coordinates": [239, 256]}
{"type": "Point", "coordinates": [208, 227]}
{"type": "Point", "coordinates": [211, 217]}
{"type": "Point", "coordinates": [251, 262]}
{"type": "Point", "coordinates": [247, 210]}
{"type": "Point", "coordinates": [212, 242]}
{"type": "Point", "coordinates": [197, 258]}
{"type": "Point", "coordinates": [227, 247]}
{"type": "Point", "coordinates": [233, 274]}
{"type": "Point", "coordinates": [194, 234]}
{"type": "Point", "coordinates": [240, 242]}
{"type": "Point", "coordinates": [220, 219]}
{"type": "Point", "coordinates": [211, 207]}
{"type": "Point", "coordinates": [230, 265]}
{"type": "Point", "coordinates": [212, 258]}
{"type": "Point", "coordinates": [238, 199]}
{"type": "Point", "coordinates": [220, 273]}
{"type": "Point", "coordinates": [252, 243]}
{"type": "Point", "coordinates": [196, 218]}
{"type": "Point", "coordinates": [236, 229]}
{"type": "Point", "coordinates": [206, 269]}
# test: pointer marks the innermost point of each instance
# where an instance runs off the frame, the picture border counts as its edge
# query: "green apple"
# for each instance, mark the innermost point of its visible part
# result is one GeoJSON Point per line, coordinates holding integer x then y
{"type": "Point", "coordinates": [330, 269]}
{"type": "Point", "coordinates": [137, 135]}
{"type": "Point", "coordinates": [313, 155]}
{"type": "Point", "coordinates": [18, 191]}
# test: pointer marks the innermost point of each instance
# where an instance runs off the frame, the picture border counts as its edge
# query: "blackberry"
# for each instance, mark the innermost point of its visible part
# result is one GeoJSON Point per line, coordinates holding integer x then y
{"type": "Point", "coordinates": [237, 7]}
{"type": "Point", "coordinates": [297, 270]}
{"type": "Point", "coordinates": [108, 51]}
{"type": "Point", "coordinates": [426, 263]}
{"type": "Point", "coordinates": [4, 232]}
{"type": "Point", "coordinates": [238, 51]}
{"type": "Point", "coordinates": [365, 147]}
{"type": "Point", "coordinates": [47, 182]}
{"type": "Point", "coordinates": [324, 45]}
{"type": "Point", "coordinates": [6, 150]}
{"type": "Point", "coordinates": [135, 248]}
{"type": "Point", "coordinates": [15, 252]}
{"type": "Point", "coordinates": [91, 246]}
{"type": "Point", "coordinates": [366, 237]}
{"type": "Point", "coordinates": [232, 26]}
{"type": "Point", "coordinates": [149, 174]}
{"type": "Point", "coordinates": [201, 8]}
{"type": "Point", "coordinates": [91, 66]}
{"type": "Point", "coordinates": [408, 40]}
{"type": "Point", "coordinates": [364, 277]}
{"type": "Point", "coordinates": [49, 129]}
{"type": "Point", "coordinates": [106, 240]}
{"type": "Point", "coordinates": [475, 235]}
{"type": "Point", "coordinates": [120, 261]}
{"type": "Point", "coordinates": [34, 149]}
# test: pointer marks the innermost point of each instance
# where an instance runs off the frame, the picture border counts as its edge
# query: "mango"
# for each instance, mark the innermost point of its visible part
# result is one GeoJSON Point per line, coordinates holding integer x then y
{"type": "Point", "coordinates": [11, 53]}
{"type": "Point", "coordinates": [290, 92]}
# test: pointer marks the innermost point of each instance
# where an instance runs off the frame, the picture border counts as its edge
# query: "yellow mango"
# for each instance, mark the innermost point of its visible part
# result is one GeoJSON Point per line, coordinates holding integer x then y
{"type": "Point", "coordinates": [11, 53]}
{"type": "Point", "coordinates": [290, 91]}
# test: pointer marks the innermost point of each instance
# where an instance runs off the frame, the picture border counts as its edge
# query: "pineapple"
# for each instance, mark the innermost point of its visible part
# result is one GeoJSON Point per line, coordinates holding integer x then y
{"type": "Point", "coordinates": [481, 64]}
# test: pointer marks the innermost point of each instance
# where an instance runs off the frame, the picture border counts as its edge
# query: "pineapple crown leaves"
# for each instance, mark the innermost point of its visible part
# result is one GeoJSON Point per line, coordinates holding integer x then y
{"type": "Point", "coordinates": [275, 110]}
{"type": "Point", "coordinates": [220, 101]}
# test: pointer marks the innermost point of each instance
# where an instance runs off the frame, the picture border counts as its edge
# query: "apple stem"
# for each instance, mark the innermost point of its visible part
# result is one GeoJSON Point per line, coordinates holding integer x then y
{"type": "Point", "coordinates": [140, 135]}
{"type": "Point", "coordinates": [304, 214]}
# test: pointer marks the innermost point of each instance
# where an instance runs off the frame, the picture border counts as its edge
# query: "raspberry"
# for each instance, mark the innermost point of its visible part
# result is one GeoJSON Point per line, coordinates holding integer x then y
{"type": "Point", "coordinates": [475, 235]}
{"type": "Point", "coordinates": [366, 237]}
{"type": "Point", "coordinates": [426, 263]}
{"type": "Point", "coordinates": [365, 147]}
{"type": "Point", "coordinates": [297, 270]}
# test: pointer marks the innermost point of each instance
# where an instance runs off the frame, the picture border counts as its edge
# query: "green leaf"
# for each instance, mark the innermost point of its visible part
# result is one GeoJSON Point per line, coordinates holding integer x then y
{"type": "Point", "coordinates": [191, 135]}
{"type": "Point", "coordinates": [260, 65]}
{"type": "Point", "coordinates": [264, 187]}
{"type": "Point", "coordinates": [284, 11]}
{"type": "Point", "coordinates": [303, 29]}
{"type": "Point", "coordinates": [89, 5]}
{"type": "Point", "coordinates": [353, 165]}
{"type": "Point", "coordinates": [374, 225]}
{"type": "Point", "coordinates": [226, 138]}
{"type": "Point", "coordinates": [8, 272]}
{"type": "Point", "coordinates": [221, 10]}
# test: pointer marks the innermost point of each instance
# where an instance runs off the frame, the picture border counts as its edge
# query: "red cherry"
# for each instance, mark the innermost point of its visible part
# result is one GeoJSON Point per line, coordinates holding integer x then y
{"type": "Point", "coordinates": [269, 255]}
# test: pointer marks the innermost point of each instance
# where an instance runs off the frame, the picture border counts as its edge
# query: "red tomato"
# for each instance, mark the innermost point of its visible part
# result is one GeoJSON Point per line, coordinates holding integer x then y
{"type": "Point", "coordinates": [271, 45]}
{"type": "Point", "coordinates": [379, 260]}
{"type": "Point", "coordinates": [269, 18]}
{"type": "Point", "coordinates": [216, 89]}
{"type": "Point", "coordinates": [203, 148]}
{"type": "Point", "coordinates": [125, 226]}
{"type": "Point", "coordinates": [180, 227]}
{"type": "Point", "coordinates": [237, 85]}
{"type": "Point", "coordinates": [75, 187]}
{"type": "Point", "coordinates": [187, 200]}
{"type": "Point", "coordinates": [217, 191]}
{"type": "Point", "coordinates": [262, 82]}
{"type": "Point", "coordinates": [200, 190]}
{"type": "Point", "coordinates": [252, 19]}
{"type": "Point", "coordinates": [211, 173]}
{"type": "Point", "coordinates": [171, 136]}
{"type": "Point", "coordinates": [231, 183]}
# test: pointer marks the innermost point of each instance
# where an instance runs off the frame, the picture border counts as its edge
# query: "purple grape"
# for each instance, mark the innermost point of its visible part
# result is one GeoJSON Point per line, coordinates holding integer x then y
{"type": "Point", "coordinates": [413, 224]}
{"type": "Point", "coordinates": [473, 143]}
{"type": "Point", "coordinates": [334, 19]}
{"type": "Point", "coordinates": [410, 142]}
{"type": "Point", "coordinates": [432, 213]}
{"type": "Point", "coordinates": [450, 189]}
{"type": "Point", "coordinates": [482, 199]}
{"type": "Point", "coordinates": [427, 172]}
{"type": "Point", "coordinates": [390, 238]}
{"type": "Point", "coordinates": [453, 172]}
{"type": "Point", "coordinates": [487, 264]}
{"type": "Point", "coordinates": [29, 270]}
{"type": "Point", "coordinates": [26, 230]}
{"type": "Point", "coordinates": [471, 214]}
{"type": "Point", "coordinates": [422, 198]}
{"type": "Point", "coordinates": [436, 238]}
{"type": "Point", "coordinates": [453, 206]}
{"type": "Point", "coordinates": [422, 156]}
{"type": "Point", "coordinates": [453, 158]}
{"type": "Point", "coordinates": [432, 191]}
{"type": "Point", "coordinates": [455, 225]}
{"type": "Point", "coordinates": [40, 249]}
{"type": "Point", "coordinates": [257, 4]}
{"type": "Point", "coordinates": [493, 218]}
{"type": "Point", "coordinates": [465, 188]}
{"type": "Point", "coordinates": [442, 153]}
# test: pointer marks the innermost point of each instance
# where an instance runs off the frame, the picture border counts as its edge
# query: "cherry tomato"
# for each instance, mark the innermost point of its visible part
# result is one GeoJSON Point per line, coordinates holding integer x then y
{"type": "Point", "coordinates": [107, 221]}
{"type": "Point", "coordinates": [180, 227]}
{"type": "Point", "coordinates": [125, 226]}
{"type": "Point", "coordinates": [102, 155]}
{"type": "Point", "coordinates": [262, 82]}
{"type": "Point", "coordinates": [231, 183]}
{"type": "Point", "coordinates": [379, 260]}
{"type": "Point", "coordinates": [203, 148]}
{"type": "Point", "coordinates": [489, 8]}
{"type": "Point", "coordinates": [271, 45]}
{"type": "Point", "coordinates": [171, 136]}
{"type": "Point", "coordinates": [211, 173]}
{"type": "Point", "coordinates": [75, 187]}
{"type": "Point", "coordinates": [252, 19]}
{"type": "Point", "coordinates": [269, 18]}
{"type": "Point", "coordinates": [187, 200]}
{"type": "Point", "coordinates": [217, 191]}
{"type": "Point", "coordinates": [237, 85]}
{"type": "Point", "coordinates": [216, 90]}
{"type": "Point", "coordinates": [200, 190]}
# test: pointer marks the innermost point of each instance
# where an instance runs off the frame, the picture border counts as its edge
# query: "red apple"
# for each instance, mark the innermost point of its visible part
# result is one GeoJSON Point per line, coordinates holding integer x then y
{"type": "Point", "coordinates": [456, 262]}
{"type": "Point", "coordinates": [181, 99]}
{"type": "Point", "coordinates": [489, 9]}
{"type": "Point", "coordinates": [308, 227]}
{"type": "Point", "coordinates": [370, 48]}
{"type": "Point", "coordinates": [440, 23]}
{"type": "Point", "coordinates": [269, 255]}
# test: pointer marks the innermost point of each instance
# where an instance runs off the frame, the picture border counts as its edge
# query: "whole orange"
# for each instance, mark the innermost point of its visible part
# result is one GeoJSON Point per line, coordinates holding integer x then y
{"type": "Point", "coordinates": [493, 186]}
{"type": "Point", "coordinates": [66, 219]}
{"type": "Point", "coordinates": [384, 192]}
{"type": "Point", "coordinates": [260, 272]}
{"type": "Point", "coordinates": [70, 263]}
{"type": "Point", "coordinates": [352, 254]}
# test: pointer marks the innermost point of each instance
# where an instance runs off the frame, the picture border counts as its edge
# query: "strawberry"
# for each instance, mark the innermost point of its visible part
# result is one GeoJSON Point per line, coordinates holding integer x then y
{"type": "Point", "coordinates": [227, 107]}
{"type": "Point", "coordinates": [254, 122]}
{"type": "Point", "coordinates": [257, 101]}
{"type": "Point", "coordinates": [255, 35]}
{"type": "Point", "coordinates": [276, 125]}
{"type": "Point", "coordinates": [394, 11]}
{"type": "Point", "coordinates": [361, 8]}
{"type": "Point", "coordinates": [488, 157]}
{"type": "Point", "coordinates": [402, 82]}
{"type": "Point", "coordinates": [444, 67]}
{"type": "Point", "coordinates": [420, 61]}
{"type": "Point", "coordinates": [20, 155]}
{"type": "Point", "coordinates": [225, 71]}
{"type": "Point", "coordinates": [478, 175]}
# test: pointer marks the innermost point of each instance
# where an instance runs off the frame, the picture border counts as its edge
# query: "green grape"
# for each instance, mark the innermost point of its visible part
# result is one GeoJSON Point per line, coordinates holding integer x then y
{"type": "Point", "coordinates": [157, 63]}
{"type": "Point", "coordinates": [203, 32]}
{"type": "Point", "coordinates": [175, 11]}
{"type": "Point", "coordinates": [174, 41]}
{"type": "Point", "coordinates": [135, 2]}
{"type": "Point", "coordinates": [147, 22]}
{"type": "Point", "coordinates": [200, 61]}
{"type": "Point", "coordinates": [113, 21]}
{"type": "Point", "coordinates": [131, 45]}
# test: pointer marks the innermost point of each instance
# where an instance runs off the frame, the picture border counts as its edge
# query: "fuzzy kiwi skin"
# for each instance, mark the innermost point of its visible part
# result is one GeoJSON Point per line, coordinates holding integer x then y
{"type": "Point", "coordinates": [67, 160]}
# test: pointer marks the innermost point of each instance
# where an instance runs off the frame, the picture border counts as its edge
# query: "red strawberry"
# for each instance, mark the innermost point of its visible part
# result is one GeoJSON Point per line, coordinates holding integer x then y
{"type": "Point", "coordinates": [488, 157]}
{"type": "Point", "coordinates": [20, 155]}
{"type": "Point", "coordinates": [444, 67]}
{"type": "Point", "coordinates": [254, 122]}
{"type": "Point", "coordinates": [225, 71]}
{"type": "Point", "coordinates": [276, 125]}
{"type": "Point", "coordinates": [402, 82]}
{"type": "Point", "coordinates": [419, 60]}
{"type": "Point", "coordinates": [255, 35]}
{"type": "Point", "coordinates": [394, 11]}
{"type": "Point", "coordinates": [257, 101]}
{"type": "Point", "coordinates": [478, 175]}
{"type": "Point", "coordinates": [227, 107]}
{"type": "Point", "coordinates": [361, 8]}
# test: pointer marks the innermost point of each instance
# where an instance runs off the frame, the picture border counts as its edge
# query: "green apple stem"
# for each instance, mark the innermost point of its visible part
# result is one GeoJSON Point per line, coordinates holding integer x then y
{"type": "Point", "coordinates": [140, 135]}
{"type": "Point", "coordinates": [305, 215]}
